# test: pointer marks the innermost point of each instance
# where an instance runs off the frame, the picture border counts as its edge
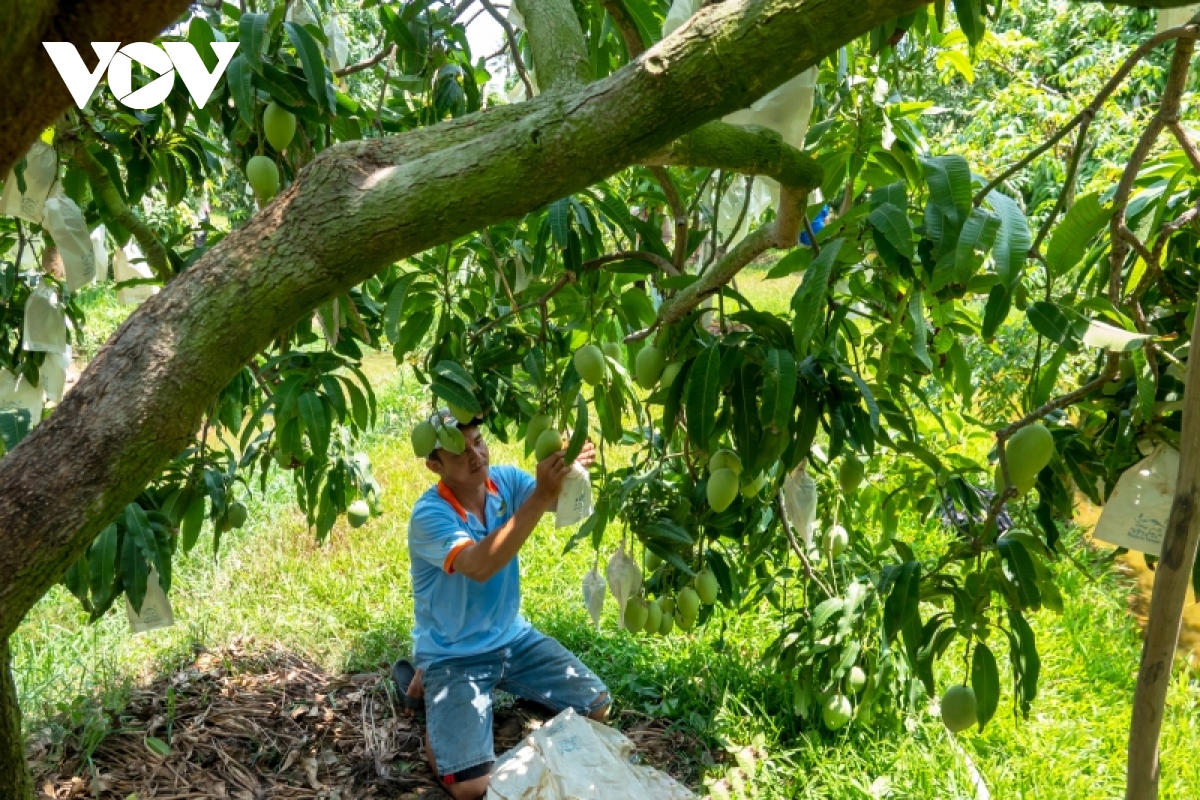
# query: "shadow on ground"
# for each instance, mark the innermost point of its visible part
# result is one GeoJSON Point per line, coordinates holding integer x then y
{"type": "Point", "coordinates": [243, 724]}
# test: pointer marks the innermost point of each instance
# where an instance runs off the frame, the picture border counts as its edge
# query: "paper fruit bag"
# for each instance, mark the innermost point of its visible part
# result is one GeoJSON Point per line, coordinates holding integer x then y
{"type": "Point", "coordinates": [1136, 514]}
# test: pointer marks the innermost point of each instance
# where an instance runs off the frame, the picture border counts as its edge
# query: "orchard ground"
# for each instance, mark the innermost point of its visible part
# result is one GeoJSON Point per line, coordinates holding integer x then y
{"type": "Point", "coordinates": [347, 607]}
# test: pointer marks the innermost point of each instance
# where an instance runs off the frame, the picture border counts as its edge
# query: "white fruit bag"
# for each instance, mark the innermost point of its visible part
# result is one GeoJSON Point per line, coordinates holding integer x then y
{"type": "Point", "coordinates": [54, 372]}
{"type": "Point", "coordinates": [732, 202]}
{"type": "Point", "coordinates": [299, 13]}
{"type": "Point", "coordinates": [1136, 513]}
{"type": "Point", "coordinates": [575, 498]}
{"type": "Point", "coordinates": [1174, 17]}
{"type": "Point", "coordinates": [575, 758]}
{"type": "Point", "coordinates": [127, 266]}
{"type": "Point", "coordinates": [65, 222]}
{"type": "Point", "coordinates": [593, 595]}
{"type": "Point", "coordinates": [45, 321]}
{"type": "Point", "coordinates": [156, 608]}
{"type": "Point", "coordinates": [800, 503]}
{"type": "Point", "coordinates": [18, 394]}
{"type": "Point", "coordinates": [624, 579]}
{"type": "Point", "coordinates": [339, 48]}
{"type": "Point", "coordinates": [100, 253]}
{"type": "Point", "coordinates": [41, 169]}
{"type": "Point", "coordinates": [681, 11]}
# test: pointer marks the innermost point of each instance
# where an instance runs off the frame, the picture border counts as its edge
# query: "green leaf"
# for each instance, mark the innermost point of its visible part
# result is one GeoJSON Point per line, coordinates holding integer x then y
{"type": "Point", "coordinates": [920, 344]}
{"type": "Point", "coordinates": [978, 235]}
{"type": "Point", "coordinates": [559, 218]}
{"type": "Point", "coordinates": [949, 179]}
{"type": "Point", "coordinates": [453, 393]}
{"type": "Point", "coordinates": [134, 572]}
{"type": "Point", "coordinates": [316, 422]}
{"type": "Point", "coordinates": [580, 434]}
{"type": "Point", "coordinates": [1147, 385]}
{"type": "Point", "coordinates": [455, 372]}
{"type": "Point", "coordinates": [14, 426]}
{"type": "Point", "coordinates": [779, 390]}
{"type": "Point", "coordinates": [1020, 564]}
{"type": "Point", "coordinates": [137, 528]}
{"type": "Point", "coordinates": [241, 86]}
{"type": "Point", "coordinates": [193, 520]}
{"type": "Point", "coordinates": [868, 396]}
{"type": "Point", "coordinates": [1069, 243]}
{"type": "Point", "coordinates": [310, 60]}
{"type": "Point", "coordinates": [666, 530]}
{"type": "Point", "coordinates": [797, 260]}
{"type": "Point", "coordinates": [1050, 321]}
{"type": "Point", "coordinates": [1048, 378]}
{"type": "Point", "coordinates": [102, 563]}
{"type": "Point", "coordinates": [1012, 240]}
{"type": "Point", "coordinates": [994, 313]}
{"type": "Point", "coordinates": [252, 36]}
{"type": "Point", "coordinates": [1024, 658]}
{"type": "Point", "coordinates": [643, 17]}
{"type": "Point", "coordinates": [985, 680]}
{"type": "Point", "coordinates": [969, 20]}
{"type": "Point", "coordinates": [154, 744]}
{"type": "Point", "coordinates": [809, 300]}
{"type": "Point", "coordinates": [894, 225]}
{"type": "Point", "coordinates": [903, 599]}
{"type": "Point", "coordinates": [703, 395]}
{"type": "Point", "coordinates": [201, 37]}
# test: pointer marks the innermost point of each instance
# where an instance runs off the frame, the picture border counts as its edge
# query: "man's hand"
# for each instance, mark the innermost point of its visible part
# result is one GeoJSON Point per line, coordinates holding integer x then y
{"type": "Point", "coordinates": [551, 472]}
{"type": "Point", "coordinates": [587, 456]}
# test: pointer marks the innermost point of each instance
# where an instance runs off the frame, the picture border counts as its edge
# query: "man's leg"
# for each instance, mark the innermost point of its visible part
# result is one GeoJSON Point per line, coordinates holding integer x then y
{"type": "Point", "coordinates": [538, 668]}
{"type": "Point", "coordinates": [458, 714]}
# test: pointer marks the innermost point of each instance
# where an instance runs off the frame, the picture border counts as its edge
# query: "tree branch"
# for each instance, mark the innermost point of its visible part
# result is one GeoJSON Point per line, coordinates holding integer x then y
{"type": "Point", "coordinates": [106, 191]}
{"type": "Point", "coordinates": [511, 36]}
{"type": "Point", "coordinates": [624, 23]}
{"type": "Point", "coordinates": [560, 53]}
{"type": "Point", "coordinates": [378, 58]}
{"type": "Point", "coordinates": [1188, 31]}
{"type": "Point", "coordinates": [748, 149]}
{"type": "Point", "coordinates": [679, 212]}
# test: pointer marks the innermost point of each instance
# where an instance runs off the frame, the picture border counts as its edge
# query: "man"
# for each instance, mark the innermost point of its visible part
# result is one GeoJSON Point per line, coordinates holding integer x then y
{"type": "Point", "coordinates": [469, 637]}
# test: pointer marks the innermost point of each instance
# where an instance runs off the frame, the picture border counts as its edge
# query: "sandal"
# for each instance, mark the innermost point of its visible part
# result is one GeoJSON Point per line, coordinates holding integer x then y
{"type": "Point", "coordinates": [403, 673]}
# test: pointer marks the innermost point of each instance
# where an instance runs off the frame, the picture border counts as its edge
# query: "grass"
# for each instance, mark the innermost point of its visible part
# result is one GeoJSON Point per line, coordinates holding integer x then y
{"type": "Point", "coordinates": [347, 605]}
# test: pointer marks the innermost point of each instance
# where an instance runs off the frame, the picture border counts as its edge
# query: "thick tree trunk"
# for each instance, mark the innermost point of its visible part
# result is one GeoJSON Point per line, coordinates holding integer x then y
{"type": "Point", "coordinates": [15, 783]}
{"type": "Point", "coordinates": [560, 56]}
{"type": "Point", "coordinates": [32, 93]}
{"type": "Point", "coordinates": [1171, 578]}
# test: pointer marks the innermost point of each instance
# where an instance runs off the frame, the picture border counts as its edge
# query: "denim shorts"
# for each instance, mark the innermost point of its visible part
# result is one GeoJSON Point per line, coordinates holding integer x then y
{"type": "Point", "coordinates": [458, 694]}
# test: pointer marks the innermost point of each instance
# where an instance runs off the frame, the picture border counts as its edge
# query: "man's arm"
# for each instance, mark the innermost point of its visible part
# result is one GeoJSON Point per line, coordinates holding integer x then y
{"type": "Point", "coordinates": [482, 560]}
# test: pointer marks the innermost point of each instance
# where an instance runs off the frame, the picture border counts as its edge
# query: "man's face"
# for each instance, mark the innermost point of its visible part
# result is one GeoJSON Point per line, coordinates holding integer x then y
{"type": "Point", "coordinates": [469, 467]}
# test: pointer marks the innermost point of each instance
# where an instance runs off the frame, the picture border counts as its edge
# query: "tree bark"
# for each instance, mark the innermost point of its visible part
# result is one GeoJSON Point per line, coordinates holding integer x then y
{"type": "Point", "coordinates": [15, 783]}
{"type": "Point", "coordinates": [357, 208]}
{"type": "Point", "coordinates": [33, 94]}
{"type": "Point", "coordinates": [1171, 578]}
{"type": "Point", "coordinates": [560, 56]}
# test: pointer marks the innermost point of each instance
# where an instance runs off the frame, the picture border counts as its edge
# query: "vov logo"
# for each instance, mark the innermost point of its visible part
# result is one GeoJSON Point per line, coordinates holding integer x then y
{"type": "Point", "coordinates": [179, 57]}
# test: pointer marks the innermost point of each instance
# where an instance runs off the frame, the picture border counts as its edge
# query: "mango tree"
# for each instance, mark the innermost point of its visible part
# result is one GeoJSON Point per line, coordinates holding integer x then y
{"type": "Point", "coordinates": [316, 209]}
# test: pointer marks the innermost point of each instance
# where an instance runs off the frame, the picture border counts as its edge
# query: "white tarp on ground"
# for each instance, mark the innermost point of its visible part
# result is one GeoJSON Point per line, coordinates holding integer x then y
{"type": "Point", "coordinates": [573, 758]}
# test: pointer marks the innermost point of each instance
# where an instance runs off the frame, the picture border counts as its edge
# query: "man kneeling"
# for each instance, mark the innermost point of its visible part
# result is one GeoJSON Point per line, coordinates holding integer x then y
{"type": "Point", "coordinates": [469, 637]}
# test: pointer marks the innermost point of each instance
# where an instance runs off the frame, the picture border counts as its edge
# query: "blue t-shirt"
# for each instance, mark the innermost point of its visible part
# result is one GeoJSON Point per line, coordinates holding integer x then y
{"type": "Point", "coordinates": [455, 615]}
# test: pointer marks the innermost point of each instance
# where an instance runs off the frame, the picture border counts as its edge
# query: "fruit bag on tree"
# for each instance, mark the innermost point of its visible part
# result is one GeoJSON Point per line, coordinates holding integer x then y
{"type": "Point", "coordinates": [787, 110]}
{"type": "Point", "coordinates": [624, 579]}
{"type": "Point", "coordinates": [800, 503]}
{"type": "Point", "coordinates": [573, 758]}
{"type": "Point", "coordinates": [18, 394]}
{"type": "Point", "coordinates": [339, 48]}
{"type": "Point", "coordinates": [593, 595]}
{"type": "Point", "coordinates": [299, 13]}
{"type": "Point", "coordinates": [129, 265]}
{"type": "Point", "coordinates": [41, 170]}
{"type": "Point", "coordinates": [1136, 514]}
{"type": "Point", "coordinates": [53, 374]}
{"type": "Point", "coordinates": [575, 498]}
{"type": "Point", "coordinates": [45, 321]}
{"type": "Point", "coordinates": [64, 221]}
{"type": "Point", "coordinates": [100, 253]}
{"type": "Point", "coordinates": [1174, 17]}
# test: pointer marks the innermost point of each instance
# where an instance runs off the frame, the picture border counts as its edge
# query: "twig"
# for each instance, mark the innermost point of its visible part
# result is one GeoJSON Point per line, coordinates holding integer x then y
{"type": "Point", "coordinates": [632, 255]}
{"type": "Point", "coordinates": [625, 24]}
{"type": "Point", "coordinates": [1185, 141]}
{"type": "Point", "coordinates": [518, 62]}
{"type": "Point", "coordinates": [1188, 31]}
{"type": "Point", "coordinates": [737, 226]}
{"type": "Point", "coordinates": [370, 62]}
{"type": "Point", "coordinates": [387, 77]}
{"type": "Point", "coordinates": [679, 246]}
{"type": "Point", "coordinates": [809, 572]}
{"type": "Point", "coordinates": [1068, 186]}
{"type": "Point", "coordinates": [487, 239]}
